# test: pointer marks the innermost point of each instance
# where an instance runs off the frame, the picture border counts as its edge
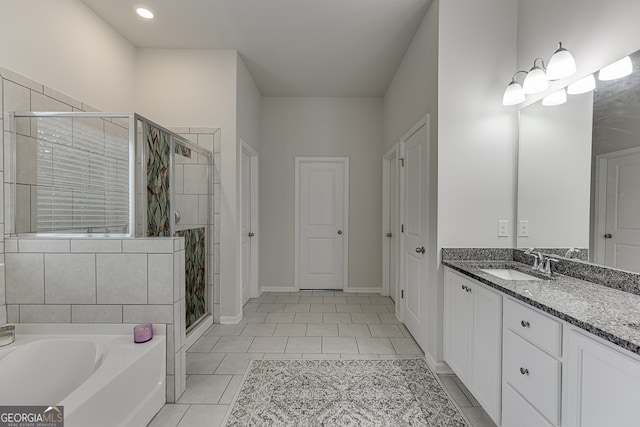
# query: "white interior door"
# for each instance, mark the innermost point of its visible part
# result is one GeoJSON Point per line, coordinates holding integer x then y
{"type": "Point", "coordinates": [415, 236]}
{"type": "Point", "coordinates": [390, 223]}
{"type": "Point", "coordinates": [321, 212]}
{"type": "Point", "coordinates": [622, 231]}
{"type": "Point", "coordinates": [245, 179]}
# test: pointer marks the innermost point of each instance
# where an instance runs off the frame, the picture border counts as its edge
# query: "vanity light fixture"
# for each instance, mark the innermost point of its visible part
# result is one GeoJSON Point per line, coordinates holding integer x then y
{"type": "Point", "coordinates": [513, 94]}
{"type": "Point", "coordinates": [584, 85]}
{"type": "Point", "coordinates": [561, 64]}
{"type": "Point", "coordinates": [556, 98]}
{"type": "Point", "coordinates": [618, 69]}
{"type": "Point", "coordinates": [144, 12]}
{"type": "Point", "coordinates": [536, 80]}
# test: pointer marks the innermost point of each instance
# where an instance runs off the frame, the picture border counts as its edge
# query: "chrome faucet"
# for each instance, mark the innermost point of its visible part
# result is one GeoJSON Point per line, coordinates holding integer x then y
{"type": "Point", "coordinates": [7, 334]}
{"type": "Point", "coordinates": [572, 253]}
{"type": "Point", "coordinates": [541, 263]}
{"type": "Point", "coordinates": [538, 258]}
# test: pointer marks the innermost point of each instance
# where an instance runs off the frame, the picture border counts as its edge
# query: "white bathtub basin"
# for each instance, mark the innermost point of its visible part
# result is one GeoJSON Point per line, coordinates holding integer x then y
{"type": "Point", "coordinates": [509, 274]}
{"type": "Point", "coordinates": [96, 372]}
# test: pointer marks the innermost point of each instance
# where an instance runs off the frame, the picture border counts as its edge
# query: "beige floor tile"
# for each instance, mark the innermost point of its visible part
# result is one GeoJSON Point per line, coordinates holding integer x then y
{"type": "Point", "coordinates": [288, 300]}
{"type": "Point", "coordinates": [454, 391]}
{"type": "Point", "coordinates": [335, 300]}
{"type": "Point", "coordinates": [466, 392]}
{"type": "Point", "coordinates": [308, 318]}
{"type": "Point", "coordinates": [264, 299]}
{"type": "Point", "coordinates": [348, 308]}
{"type": "Point", "coordinates": [323, 308]}
{"type": "Point", "coordinates": [268, 345]}
{"type": "Point", "coordinates": [322, 330]}
{"type": "Point", "coordinates": [236, 363]}
{"type": "Point", "coordinates": [291, 330]}
{"type": "Point", "coordinates": [204, 344]}
{"type": "Point", "coordinates": [375, 346]}
{"type": "Point", "coordinates": [282, 356]}
{"type": "Point", "coordinates": [296, 308]}
{"type": "Point", "coordinates": [311, 300]}
{"type": "Point", "coordinates": [336, 318]}
{"type": "Point", "coordinates": [367, 294]}
{"type": "Point", "coordinates": [374, 308]}
{"type": "Point", "coordinates": [271, 308]}
{"type": "Point", "coordinates": [358, 300]}
{"type": "Point", "coordinates": [339, 345]}
{"type": "Point", "coordinates": [365, 317]}
{"type": "Point", "coordinates": [232, 389]}
{"type": "Point", "coordinates": [259, 330]}
{"type": "Point", "coordinates": [389, 318]}
{"type": "Point", "coordinates": [204, 415]}
{"type": "Point", "coordinates": [381, 300]}
{"type": "Point", "coordinates": [169, 416]}
{"type": "Point", "coordinates": [357, 356]}
{"type": "Point", "coordinates": [406, 346]}
{"type": "Point", "coordinates": [232, 344]}
{"type": "Point", "coordinates": [353, 330]}
{"type": "Point", "coordinates": [280, 317]}
{"type": "Point", "coordinates": [253, 317]}
{"type": "Point", "coordinates": [388, 331]}
{"type": "Point", "coordinates": [478, 417]}
{"type": "Point", "coordinates": [304, 345]}
{"type": "Point", "coordinates": [225, 330]}
{"type": "Point", "coordinates": [205, 388]}
{"type": "Point", "coordinates": [321, 356]}
{"type": "Point", "coordinates": [250, 307]}
{"type": "Point", "coordinates": [203, 363]}
{"type": "Point", "coordinates": [323, 293]}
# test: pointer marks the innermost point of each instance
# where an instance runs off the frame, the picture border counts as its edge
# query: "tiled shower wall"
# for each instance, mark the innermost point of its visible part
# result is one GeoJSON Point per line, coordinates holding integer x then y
{"type": "Point", "coordinates": [188, 176]}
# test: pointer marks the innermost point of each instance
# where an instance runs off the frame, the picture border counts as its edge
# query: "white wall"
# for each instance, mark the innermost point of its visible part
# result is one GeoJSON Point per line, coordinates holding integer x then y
{"type": "Point", "coordinates": [596, 32]}
{"type": "Point", "coordinates": [554, 173]}
{"type": "Point", "coordinates": [320, 127]}
{"type": "Point", "coordinates": [249, 105]}
{"type": "Point", "coordinates": [175, 88]}
{"type": "Point", "coordinates": [64, 45]}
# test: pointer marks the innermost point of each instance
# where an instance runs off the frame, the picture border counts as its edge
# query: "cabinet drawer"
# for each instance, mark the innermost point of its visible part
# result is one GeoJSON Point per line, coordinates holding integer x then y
{"type": "Point", "coordinates": [534, 374]}
{"type": "Point", "coordinates": [517, 412]}
{"type": "Point", "coordinates": [541, 330]}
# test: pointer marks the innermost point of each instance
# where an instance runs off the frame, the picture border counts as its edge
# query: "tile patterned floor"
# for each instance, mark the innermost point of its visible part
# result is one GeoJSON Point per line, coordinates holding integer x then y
{"type": "Point", "coordinates": [306, 324]}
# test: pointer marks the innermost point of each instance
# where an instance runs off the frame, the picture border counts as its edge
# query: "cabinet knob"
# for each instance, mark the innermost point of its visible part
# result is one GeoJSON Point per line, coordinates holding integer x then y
{"type": "Point", "coordinates": [524, 323]}
{"type": "Point", "coordinates": [524, 371]}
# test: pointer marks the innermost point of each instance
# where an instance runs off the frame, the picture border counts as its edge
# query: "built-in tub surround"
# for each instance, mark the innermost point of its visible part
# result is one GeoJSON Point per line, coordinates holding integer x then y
{"type": "Point", "coordinates": [98, 281]}
{"type": "Point", "coordinates": [95, 371]}
{"type": "Point", "coordinates": [605, 311]}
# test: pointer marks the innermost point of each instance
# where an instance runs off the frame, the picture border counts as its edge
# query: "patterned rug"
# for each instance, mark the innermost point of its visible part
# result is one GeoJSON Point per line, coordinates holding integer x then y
{"type": "Point", "coordinates": [395, 392]}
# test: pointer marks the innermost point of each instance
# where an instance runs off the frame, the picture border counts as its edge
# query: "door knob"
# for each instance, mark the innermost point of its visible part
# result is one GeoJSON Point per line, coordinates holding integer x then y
{"type": "Point", "coordinates": [251, 234]}
{"type": "Point", "coordinates": [608, 236]}
{"type": "Point", "coordinates": [389, 235]}
{"type": "Point", "coordinates": [421, 250]}
{"type": "Point", "coordinates": [339, 231]}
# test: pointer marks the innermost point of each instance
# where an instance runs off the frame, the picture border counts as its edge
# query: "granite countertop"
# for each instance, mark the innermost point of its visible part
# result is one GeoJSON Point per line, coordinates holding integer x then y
{"type": "Point", "coordinates": [611, 314]}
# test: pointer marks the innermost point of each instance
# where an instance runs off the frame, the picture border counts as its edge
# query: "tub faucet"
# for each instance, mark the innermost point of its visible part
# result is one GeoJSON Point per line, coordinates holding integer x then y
{"type": "Point", "coordinates": [7, 335]}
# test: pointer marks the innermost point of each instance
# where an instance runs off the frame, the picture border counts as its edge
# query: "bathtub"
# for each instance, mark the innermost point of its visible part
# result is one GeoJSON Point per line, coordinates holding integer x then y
{"type": "Point", "coordinates": [95, 371]}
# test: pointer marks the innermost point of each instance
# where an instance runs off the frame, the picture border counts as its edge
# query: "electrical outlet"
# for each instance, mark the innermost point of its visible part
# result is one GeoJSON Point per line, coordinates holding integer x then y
{"type": "Point", "coordinates": [503, 228]}
{"type": "Point", "coordinates": [523, 228]}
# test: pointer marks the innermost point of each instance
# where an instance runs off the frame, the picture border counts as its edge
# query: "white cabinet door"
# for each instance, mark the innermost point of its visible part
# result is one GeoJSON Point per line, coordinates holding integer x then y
{"type": "Point", "coordinates": [602, 385]}
{"type": "Point", "coordinates": [457, 325]}
{"type": "Point", "coordinates": [487, 349]}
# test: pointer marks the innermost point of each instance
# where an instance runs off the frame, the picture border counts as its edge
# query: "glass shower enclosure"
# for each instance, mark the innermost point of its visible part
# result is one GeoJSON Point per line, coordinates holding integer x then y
{"type": "Point", "coordinates": [115, 175]}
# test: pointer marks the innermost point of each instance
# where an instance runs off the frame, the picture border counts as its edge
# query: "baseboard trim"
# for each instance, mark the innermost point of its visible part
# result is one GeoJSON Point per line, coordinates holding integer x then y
{"type": "Point", "coordinates": [352, 289]}
{"type": "Point", "coordinates": [277, 289]}
{"type": "Point", "coordinates": [230, 320]}
{"type": "Point", "coordinates": [440, 368]}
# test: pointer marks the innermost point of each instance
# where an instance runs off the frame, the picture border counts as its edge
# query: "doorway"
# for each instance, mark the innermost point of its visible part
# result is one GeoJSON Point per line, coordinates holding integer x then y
{"type": "Point", "coordinates": [321, 222]}
{"type": "Point", "coordinates": [390, 216]}
{"type": "Point", "coordinates": [249, 220]}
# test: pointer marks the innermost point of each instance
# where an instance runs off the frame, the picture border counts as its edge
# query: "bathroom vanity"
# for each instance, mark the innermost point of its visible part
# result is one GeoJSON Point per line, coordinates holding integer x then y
{"type": "Point", "coordinates": [557, 351]}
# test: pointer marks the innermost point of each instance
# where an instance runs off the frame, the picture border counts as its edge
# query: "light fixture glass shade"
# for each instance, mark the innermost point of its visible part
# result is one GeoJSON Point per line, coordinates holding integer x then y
{"type": "Point", "coordinates": [513, 94]}
{"type": "Point", "coordinates": [584, 85]}
{"type": "Point", "coordinates": [561, 64]}
{"type": "Point", "coordinates": [618, 69]}
{"type": "Point", "coordinates": [144, 12]}
{"type": "Point", "coordinates": [536, 81]}
{"type": "Point", "coordinates": [556, 98]}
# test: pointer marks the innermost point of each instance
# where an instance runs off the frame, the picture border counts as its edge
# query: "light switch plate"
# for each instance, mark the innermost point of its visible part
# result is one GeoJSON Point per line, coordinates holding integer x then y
{"type": "Point", "coordinates": [503, 228]}
{"type": "Point", "coordinates": [523, 228]}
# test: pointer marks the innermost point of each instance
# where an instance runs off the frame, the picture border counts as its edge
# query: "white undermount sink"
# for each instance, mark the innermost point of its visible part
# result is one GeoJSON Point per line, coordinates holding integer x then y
{"type": "Point", "coordinates": [509, 274]}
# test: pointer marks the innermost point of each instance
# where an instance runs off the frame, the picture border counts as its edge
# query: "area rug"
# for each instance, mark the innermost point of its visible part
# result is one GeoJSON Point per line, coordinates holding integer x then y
{"type": "Point", "coordinates": [395, 392]}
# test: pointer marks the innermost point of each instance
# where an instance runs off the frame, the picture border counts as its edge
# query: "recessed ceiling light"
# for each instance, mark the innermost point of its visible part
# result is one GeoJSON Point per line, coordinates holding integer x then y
{"type": "Point", "coordinates": [144, 12]}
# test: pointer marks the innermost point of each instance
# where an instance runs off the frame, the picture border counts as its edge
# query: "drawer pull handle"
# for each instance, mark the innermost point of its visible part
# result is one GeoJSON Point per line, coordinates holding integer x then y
{"type": "Point", "coordinates": [524, 323]}
{"type": "Point", "coordinates": [524, 371]}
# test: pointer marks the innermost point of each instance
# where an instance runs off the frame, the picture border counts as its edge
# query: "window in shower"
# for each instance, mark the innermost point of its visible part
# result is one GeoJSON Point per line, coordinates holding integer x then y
{"type": "Point", "coordinates": [72, 174]}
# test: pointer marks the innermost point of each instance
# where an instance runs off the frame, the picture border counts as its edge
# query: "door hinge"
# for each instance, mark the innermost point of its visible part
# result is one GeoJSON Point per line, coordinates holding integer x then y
{"type": "Point", "coordinates": [401, 160]}
{"type": "Point", "coordinates": [402, 228]}
{"type": "Point", "coordinates": [402, 293]}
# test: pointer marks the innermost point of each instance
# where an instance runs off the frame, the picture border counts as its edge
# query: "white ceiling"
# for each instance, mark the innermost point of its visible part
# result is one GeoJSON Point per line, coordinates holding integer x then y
{"type": "Point", "coordinates": [291, 47]}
